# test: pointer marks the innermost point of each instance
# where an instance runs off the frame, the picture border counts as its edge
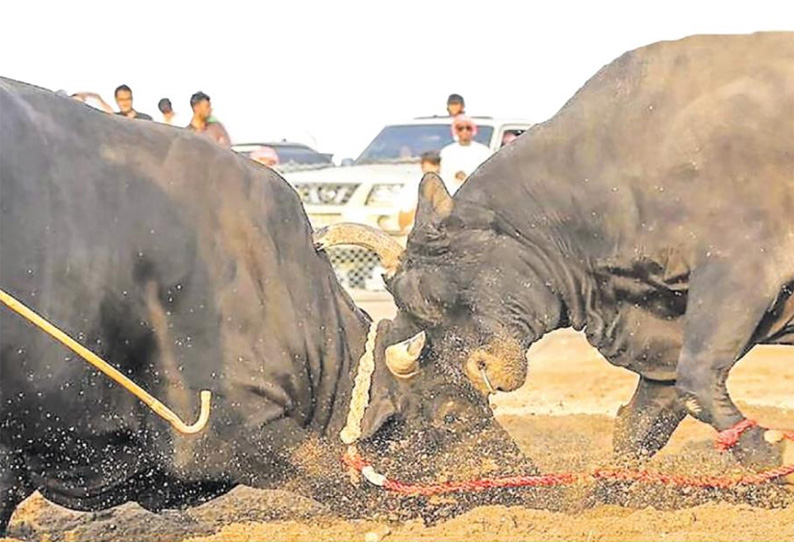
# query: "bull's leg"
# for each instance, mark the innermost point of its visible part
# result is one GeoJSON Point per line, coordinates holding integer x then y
{"type": "Point", "coordinates": [726, 303]}
{"type": "Point", "coordinates": [14, 485]}
{"type": "Point", "coordinates": [645, 425]}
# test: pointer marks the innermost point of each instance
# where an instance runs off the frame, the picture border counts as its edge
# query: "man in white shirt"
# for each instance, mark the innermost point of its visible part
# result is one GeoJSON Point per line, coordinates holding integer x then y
{"type": "Point", "coordinates": [461, 158]}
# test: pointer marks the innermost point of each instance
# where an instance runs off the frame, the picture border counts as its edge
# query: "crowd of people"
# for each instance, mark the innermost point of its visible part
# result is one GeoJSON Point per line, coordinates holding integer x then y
{"type": "Point", "coordinates": [201, 121]}
{"type": "Point", "coordinates": [453, 163]}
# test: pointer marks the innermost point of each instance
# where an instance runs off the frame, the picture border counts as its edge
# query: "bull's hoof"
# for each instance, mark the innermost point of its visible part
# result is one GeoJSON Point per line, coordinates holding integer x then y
{"type": "Point", "coordinates": [773, 436]}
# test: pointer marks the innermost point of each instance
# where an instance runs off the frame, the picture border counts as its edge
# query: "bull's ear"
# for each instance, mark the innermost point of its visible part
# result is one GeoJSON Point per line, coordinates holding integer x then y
{"type": "Point", "coordinates": [434, 202]}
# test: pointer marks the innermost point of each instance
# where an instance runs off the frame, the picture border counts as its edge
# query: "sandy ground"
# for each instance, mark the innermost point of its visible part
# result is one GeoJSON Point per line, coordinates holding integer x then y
{"type": "Point", "coordinates": [563, 419]}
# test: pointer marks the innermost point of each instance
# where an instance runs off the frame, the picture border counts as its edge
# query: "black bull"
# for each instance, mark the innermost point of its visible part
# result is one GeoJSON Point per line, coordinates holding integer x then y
{"type": "Point", "coordinates": [655, 212]}
{"type": "Point", "coordinates": [188, 267]}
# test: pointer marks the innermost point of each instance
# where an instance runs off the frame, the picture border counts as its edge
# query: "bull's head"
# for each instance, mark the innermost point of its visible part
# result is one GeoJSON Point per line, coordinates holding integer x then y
{"type": "Point", "coordinates": [418, 399]}
{"type": "Point", "coordinates": [469, 315]}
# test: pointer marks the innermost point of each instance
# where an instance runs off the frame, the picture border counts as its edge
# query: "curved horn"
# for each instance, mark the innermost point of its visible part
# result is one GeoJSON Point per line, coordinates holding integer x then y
{"type": "Point", "coordinates": [388, 250]}
{"type": "Point", "coordinates": [402, 358]}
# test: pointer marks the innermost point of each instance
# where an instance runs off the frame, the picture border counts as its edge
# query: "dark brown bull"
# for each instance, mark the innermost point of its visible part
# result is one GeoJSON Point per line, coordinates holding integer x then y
{"type": "Point", "coordinates": [655, 212]}
{"type": "Point", "coordinates": [189, 268]}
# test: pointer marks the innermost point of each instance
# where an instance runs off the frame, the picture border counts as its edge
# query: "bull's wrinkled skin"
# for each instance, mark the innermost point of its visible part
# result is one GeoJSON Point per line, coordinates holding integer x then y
{"type": "Point", "coordinates": [655, 212]}
{"type": "Point", "coordinates": [188, 267]}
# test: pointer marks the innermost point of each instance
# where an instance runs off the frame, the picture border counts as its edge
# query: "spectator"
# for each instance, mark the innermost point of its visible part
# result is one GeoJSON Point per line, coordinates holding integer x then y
{"type": "Point", "coordinates": [165, 107]}
{"type": "Point", "coordinates": [431, 162]}
{"type": "Point", "coordinates": [509, 137]}
{"type": "Point", "coordinates": [461, 158]}
{"type": "Point", "coordinates": [123, 95]}
{"type": "Point", "coordinates": [265, 155]}
{"type": "Point", "coordinates": [455, 105]}
{"type": "Point", "coordinates": [204, 122]}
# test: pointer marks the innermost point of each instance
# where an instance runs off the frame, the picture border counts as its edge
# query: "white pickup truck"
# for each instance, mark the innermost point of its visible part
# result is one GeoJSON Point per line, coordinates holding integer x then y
{"type": "Point", "coordinates": [367, 191]}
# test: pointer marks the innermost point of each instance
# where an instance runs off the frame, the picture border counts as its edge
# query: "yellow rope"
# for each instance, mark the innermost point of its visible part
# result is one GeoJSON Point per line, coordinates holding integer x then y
{"type": "Point", "coordinates": [158, 407]}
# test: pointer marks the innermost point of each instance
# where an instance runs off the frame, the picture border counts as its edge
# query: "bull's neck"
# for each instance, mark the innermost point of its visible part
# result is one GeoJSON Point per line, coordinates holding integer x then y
{"type": "Point", "coordinates": [547, 226]}
{"type": "Point", "coordinates": [562, 273]}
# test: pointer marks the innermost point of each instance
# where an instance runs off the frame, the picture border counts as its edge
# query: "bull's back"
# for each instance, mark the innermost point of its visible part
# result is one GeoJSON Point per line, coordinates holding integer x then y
{"type": "Point", "coordinates": [678, 144]}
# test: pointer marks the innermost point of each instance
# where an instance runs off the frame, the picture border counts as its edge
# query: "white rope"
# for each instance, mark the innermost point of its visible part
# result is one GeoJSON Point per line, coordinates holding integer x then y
{"type": "Point", "coordinates": [359, 399]}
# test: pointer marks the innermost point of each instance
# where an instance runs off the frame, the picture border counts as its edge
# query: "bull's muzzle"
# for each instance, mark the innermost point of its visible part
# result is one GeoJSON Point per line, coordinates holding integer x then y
{"type": "Point", "coordinates": [500, 366]}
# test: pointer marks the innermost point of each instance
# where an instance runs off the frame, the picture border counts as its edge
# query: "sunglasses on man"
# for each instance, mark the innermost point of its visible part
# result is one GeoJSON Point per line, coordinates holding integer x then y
{"type": "Point", "coordinates": [463, 128]}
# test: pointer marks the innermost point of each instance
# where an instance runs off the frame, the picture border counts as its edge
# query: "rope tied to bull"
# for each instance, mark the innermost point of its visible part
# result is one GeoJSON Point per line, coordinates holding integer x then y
{"type": "Point", "coordinates": [357, 464]}
{"type": "Point", "coordinates": [354, 461]}
{"type": "Point", "coordinates": [728, 438]}
{"type": "Point", "coordinates": [111, 372]}
{"type": "Point", "coordinates": [361, 385]}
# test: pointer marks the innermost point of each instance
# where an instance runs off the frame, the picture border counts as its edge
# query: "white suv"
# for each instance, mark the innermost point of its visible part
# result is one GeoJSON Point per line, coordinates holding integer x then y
{"type": "Point", "coordinates": [367, 191]}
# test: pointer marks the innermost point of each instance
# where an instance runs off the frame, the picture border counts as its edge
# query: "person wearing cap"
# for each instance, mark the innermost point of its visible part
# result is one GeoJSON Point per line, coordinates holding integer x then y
{"type": "Point", "coordinates": [460, 158]}
{"type": "Point", "coordinates": [204, 122]}
{"type": "Point", "coordinates": [455, 105]}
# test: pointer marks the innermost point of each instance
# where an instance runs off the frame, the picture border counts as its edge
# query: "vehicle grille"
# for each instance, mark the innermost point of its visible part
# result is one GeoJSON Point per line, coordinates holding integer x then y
{"type": "Point", "coordinates": [325, 193]}
{"type": "Point", "coordinates": [357, 267]}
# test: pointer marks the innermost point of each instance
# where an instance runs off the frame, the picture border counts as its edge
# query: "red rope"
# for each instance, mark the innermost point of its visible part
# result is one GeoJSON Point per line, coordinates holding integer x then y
{"type": "Point", "coordinates": [726, 439]}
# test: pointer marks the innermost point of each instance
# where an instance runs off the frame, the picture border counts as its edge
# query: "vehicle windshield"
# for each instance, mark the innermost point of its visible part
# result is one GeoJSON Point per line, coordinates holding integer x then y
{"type": "Point", "coordinates": [301, 155]}
{"type": "Point", "coordinates": [406, 143]}
{"type": "Point", "coordinates": [288, 154]}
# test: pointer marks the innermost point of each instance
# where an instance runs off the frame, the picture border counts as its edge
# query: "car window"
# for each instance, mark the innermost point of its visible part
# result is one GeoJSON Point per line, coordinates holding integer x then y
{"type": "Point", "coordinates": [288, 154]}
{"type": "Point", "coordinates": [406, 143]}
{"type": "Point", "coordinates": [301, 155]}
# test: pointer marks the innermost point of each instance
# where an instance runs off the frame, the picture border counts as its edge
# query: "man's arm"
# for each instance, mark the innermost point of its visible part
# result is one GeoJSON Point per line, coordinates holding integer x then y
{"type": "Point", "coordinates": [407, 201]}
{"type": "Point", "coordinates": [94, 96]}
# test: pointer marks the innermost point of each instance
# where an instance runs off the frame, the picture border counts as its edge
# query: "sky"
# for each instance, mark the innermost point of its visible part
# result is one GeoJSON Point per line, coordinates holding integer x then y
{"type": "Point", "coordinates": [332, 73]}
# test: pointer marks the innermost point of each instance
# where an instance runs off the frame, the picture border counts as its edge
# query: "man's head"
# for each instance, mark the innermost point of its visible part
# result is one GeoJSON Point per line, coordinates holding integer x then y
{"type": "Point", "coordinates": [165, 107]}
{"type": "Point", "coordinates": [464, 129]}
{"type": "Point", "coordinates": [431, 162]}
{"type": "Point", "coordinates": [455, 105]}
{"type": "Point", "coordinates": [200, 103]}
{"type": "Point", "coordinates": [123, 95]}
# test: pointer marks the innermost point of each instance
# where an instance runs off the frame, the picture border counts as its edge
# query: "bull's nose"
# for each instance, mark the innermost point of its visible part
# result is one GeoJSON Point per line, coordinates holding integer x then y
{"type": "Point", "coordinates": [490, 373]}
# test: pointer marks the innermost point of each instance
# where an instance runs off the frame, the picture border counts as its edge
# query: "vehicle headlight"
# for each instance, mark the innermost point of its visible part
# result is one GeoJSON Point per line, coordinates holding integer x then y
{"type": "Point", "coordinates": [384, 195]}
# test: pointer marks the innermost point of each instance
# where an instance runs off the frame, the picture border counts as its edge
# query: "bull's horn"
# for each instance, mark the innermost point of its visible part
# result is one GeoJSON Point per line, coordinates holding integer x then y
{"type": "Point", "coordinates": [387, 249]}
{"type": "Point", "coordinates": [402, 358]}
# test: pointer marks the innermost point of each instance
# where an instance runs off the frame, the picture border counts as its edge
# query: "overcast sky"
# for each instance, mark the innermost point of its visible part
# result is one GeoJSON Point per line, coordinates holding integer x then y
{"type": "Point", "coordinates": [331, 73]}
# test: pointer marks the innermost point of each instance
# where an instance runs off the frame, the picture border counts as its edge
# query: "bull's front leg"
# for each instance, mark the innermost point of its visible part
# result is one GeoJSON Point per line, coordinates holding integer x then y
{"type": "Point", "coordinates": [14, 485]}
{"type": "Point", "coordinates": [645, 425]}
{"type": "Point", "coordinates": [723, 312]}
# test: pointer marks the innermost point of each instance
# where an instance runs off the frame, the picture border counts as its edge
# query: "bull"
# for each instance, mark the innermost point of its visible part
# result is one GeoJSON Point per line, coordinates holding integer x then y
{"type": "Point", "coordinates": [654, 212]}
{"type": "Point", "coordinates": [189, 268]}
